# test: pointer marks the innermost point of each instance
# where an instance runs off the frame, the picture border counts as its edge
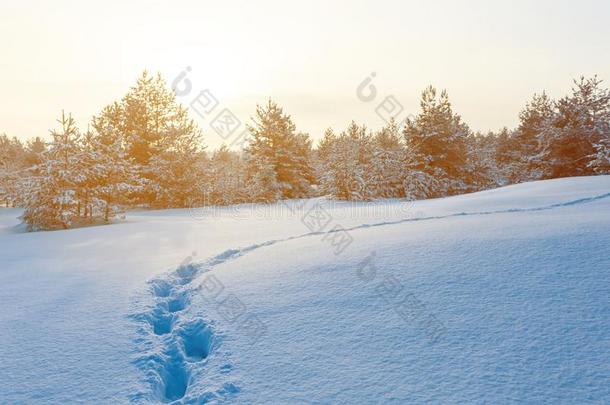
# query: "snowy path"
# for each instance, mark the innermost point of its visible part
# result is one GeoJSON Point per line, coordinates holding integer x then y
{"type": "Point", "coordinates": [173, 345]}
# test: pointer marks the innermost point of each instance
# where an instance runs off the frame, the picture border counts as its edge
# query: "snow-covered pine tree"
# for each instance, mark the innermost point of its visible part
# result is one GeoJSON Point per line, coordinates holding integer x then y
{"type": "Point", "coordinates": [34, 148]}
{"type": "Point", "coordinates": [527, 142]}
{"type": "Point", "coordinates": [509, 167]}
{"type": "Point", "coordinates": [226, 178]}
{"type": "Point", "coordinates": [275, 144]}
{"type": "Point", "coordinates": [302, 145]}
{"type": "Point", "coordinates": [176, 171]}
{"type": "Point", "coordinates": [347, 167]}
{"type": "Point", "coordinates": [481, 162]}
{"type": "Point", "coordinates": [418, 184]}
{"type": "Point", "coordinates": [261, 185]}
{"type": "Point", "coordinates": [349, 182]}
{"type": "Point", "coordinates": [160, 139]}
{"type": "Point", "coordinates": [600, 160]}
{"type": "Point", "coordinates": [51, 201]}
{"type": "Point", "coordinates": [322, 163]}
{"type": "Point", "coordinates": [387, 163]}
{"type": "Point", "coordinates": [12, 164]}
{"type": "Point", "coordinates": [580, 124]}
{"type": "Point", "coordinates": [112, 177]}
{"type": "Point", "coordinates": [437, 150]}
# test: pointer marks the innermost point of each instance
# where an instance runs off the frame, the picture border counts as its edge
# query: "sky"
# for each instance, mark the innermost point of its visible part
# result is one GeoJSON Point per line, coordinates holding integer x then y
{"type": "Point", "coordinates": [311, 57]}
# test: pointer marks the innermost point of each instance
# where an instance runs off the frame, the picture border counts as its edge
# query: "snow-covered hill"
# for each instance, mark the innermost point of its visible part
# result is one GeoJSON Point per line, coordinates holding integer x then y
{"type": "Point", "coordinates": [495, 297]}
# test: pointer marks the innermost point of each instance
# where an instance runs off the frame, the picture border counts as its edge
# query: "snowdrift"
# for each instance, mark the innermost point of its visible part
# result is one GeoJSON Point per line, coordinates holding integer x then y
{"type": "Point", "coordinates": [500, 296]}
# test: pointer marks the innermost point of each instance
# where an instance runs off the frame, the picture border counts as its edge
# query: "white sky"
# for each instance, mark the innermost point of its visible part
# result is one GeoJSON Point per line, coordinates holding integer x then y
{"type": "Point", "coordinates": [309, 56]}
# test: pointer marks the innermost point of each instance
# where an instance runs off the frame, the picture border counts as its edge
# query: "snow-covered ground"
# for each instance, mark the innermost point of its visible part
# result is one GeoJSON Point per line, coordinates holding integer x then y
{"type": "Point", "coordinates": [501, 296]}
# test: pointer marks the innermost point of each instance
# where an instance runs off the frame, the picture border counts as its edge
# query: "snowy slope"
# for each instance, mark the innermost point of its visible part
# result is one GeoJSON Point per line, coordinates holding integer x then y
{"type": "Point", "coordinates": [494, 297]}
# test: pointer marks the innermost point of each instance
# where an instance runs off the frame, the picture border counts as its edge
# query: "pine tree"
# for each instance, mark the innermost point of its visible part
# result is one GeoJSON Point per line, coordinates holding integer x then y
{"type": "Point", "coordinates": [277, 147]}
{"type": "Point", "coordinates": [175, 173]}
{"type": "Point", "coordinates": [52, 198]}
{"type": "Point", "coordinates": [325, 145]}
{"type": "Point", "coordinates": [481, 163]}
{"type": "Point", "coordinates": [226, 179]}
{"type": "Point", "coordinates": [527, 161]}
{"type": "Point", "coordinates": [158, 137]}
{"type": "Point", "coordinates": [600, 160]}
{"type": "Point", "coordinates": [322, 155]}
{"type": "Point", "coordinates": [303, 165]}
{"type": "Point", "coordinates": [387, 164]}
{"type": "Point", "coordinates": [111, 177]}
{"type": "Point", "coordinates": [580, 124]}
{"type": "Point", "coordinates": [347, 165]}
{"type": "Point", "coordinates": [418, 184]}
{"type": "Point", "coordinates": [13, 161]}
{"type": "Point", "coordinates": [509, 167]}
{"type": "Point", "coordinates": [437, 151]}
{"type": "Point", "coordinates": [261, 184]}
{"type": "Point", "coordinates": [34, 148]}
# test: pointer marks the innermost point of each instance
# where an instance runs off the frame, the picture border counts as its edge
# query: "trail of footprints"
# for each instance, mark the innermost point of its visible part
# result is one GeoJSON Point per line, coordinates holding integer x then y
{"type": "Point", "coordinates": [188, 341]}
{"type": "Point", "coordinates": [173, 341]}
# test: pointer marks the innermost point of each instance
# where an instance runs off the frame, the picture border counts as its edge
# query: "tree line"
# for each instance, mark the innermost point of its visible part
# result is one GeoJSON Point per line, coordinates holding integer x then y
{"type": "Point", "coordinates": [145, 151]}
